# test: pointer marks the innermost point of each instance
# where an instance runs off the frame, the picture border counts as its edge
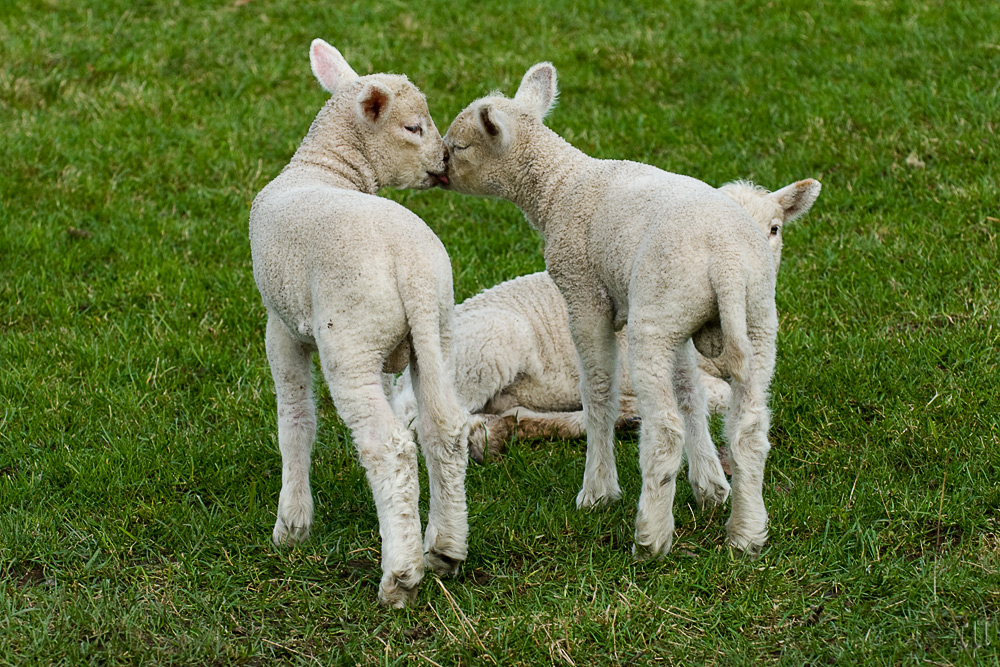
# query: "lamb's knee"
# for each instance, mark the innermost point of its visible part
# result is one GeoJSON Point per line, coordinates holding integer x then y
{"type": "Point", "coordinates": [665, 426]}
{"type": "Point", "coordinates": [299, 414]}
{"type": "Point", "coordinates": [747, 414]}
{"type": "Point", "coordinates": [385, 460]}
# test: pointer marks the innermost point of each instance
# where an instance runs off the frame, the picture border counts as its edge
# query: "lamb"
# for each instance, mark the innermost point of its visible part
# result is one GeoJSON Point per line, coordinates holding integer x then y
{"type": "Point", "coordinates": [515, 365]}
{"type": "Point", "coordinates": [679, 262]}
{"type": "Point", "coordinates": [361, 280]}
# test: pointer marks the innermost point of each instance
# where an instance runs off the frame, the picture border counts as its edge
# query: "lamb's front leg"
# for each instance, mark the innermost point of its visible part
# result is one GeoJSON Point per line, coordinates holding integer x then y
{"type": "Point", "coordinates": [597, 348]}
{"type": "Point", "coordinates": [291, 368]}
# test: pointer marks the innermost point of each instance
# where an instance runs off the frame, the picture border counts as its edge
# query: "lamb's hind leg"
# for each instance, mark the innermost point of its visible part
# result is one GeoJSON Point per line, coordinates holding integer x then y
{"type": "Point", "coordinates": [652, 361]}
{"type": "Point", "coordinates": [443, 430]}
{"type": "Point", "coordinates": [708, 480]}
{"type": "Point", "coordinates": [594, 339]}
{"type": "Point", "coordinates": [746, 426]}
{"type": "Point", "coordinates": [291, 367]}
{"type": "Point", "coordinates": [389, 456]}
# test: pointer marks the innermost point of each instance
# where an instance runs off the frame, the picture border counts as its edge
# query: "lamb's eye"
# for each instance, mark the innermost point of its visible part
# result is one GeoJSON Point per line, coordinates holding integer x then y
{"type": "Point", "coordinates": [775, 230]}
{"type": "Point", "coordinates": [460, 148]}
{"type": "Point", "coordinates": [415, 129]}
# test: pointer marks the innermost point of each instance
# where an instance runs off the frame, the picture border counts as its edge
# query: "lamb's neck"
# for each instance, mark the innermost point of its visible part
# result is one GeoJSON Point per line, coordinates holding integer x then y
{"type": "Point", "coordinates": [545, 171]}
{"type": "Point", "coordinates": [336, 151]}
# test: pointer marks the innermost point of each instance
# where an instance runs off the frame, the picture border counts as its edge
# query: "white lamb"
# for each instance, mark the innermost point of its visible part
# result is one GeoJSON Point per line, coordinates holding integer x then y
{"type": "Point", "coordinates": [674, 259]}
{"type": "Point", "coordinates": [514, 359]}
{"type": "Point", "coordinates": [361, 279]}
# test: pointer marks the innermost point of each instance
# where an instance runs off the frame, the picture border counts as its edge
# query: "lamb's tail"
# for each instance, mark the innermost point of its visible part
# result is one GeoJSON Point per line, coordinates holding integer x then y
{"type": "Point", "coordinates": [731, 293]}
{"type": "Point", "coordinates": [430, 333]}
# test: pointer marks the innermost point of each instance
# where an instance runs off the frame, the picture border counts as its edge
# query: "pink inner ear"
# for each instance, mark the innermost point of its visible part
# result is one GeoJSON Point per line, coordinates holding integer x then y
{"type": "Point", "coordinates": [327, 65]}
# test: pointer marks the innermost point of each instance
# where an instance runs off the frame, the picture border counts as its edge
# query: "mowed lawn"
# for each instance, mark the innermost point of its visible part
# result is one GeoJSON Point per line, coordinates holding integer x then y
{"type": "Point", "coordinates": [139, 468]}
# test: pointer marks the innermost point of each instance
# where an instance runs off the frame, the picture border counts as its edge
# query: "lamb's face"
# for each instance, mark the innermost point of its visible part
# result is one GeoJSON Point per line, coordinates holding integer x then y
{"type": "Point", "coordinates": [402, 140]}
{"type": "Point", "coordinates": [485, 141]}
{"type": "Point", "coordinates": [391, 122]}
{"type": "Point", "coordinates": [476, 148]}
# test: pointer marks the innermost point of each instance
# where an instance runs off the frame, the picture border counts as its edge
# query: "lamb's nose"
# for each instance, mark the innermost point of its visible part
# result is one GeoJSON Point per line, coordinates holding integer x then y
{"type": "Point", "coordinates": [446, 155]}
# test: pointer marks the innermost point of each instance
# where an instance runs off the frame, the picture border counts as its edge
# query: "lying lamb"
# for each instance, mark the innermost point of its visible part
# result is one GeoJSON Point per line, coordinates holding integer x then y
{"type": "Point", "coordinates": [670, 256]}
{"type": "Point", "coordinates": [514, 359]}
{"type": "Point", "coordinates": [360, 279]}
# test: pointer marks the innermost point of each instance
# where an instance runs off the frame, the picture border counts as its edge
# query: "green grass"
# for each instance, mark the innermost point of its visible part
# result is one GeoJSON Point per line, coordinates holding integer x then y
{"type": "Point", "coordinates": [139, 470]}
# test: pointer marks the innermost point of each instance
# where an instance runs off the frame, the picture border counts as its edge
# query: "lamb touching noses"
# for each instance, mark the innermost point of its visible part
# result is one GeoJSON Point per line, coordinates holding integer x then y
{"type": "Point", "coordinates": [442, 178]}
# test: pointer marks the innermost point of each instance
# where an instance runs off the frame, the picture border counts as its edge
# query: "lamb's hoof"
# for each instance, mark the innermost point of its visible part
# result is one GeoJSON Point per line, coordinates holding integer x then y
{"type": "Point", "coordinates": [653, 538]}
{"type": "Point", "coordinates": [710, 493]}
{"type": "Point", "coordinates": [478, 439]}
{"type": "Point", "coordinates": [643, 551]}
{"type": "Point", "coordinates": [295, 516]}
{"type": "Point", "coordinates": [398, 589]}
{"type": "Point", "coordinates": [750, 545]}
{"type": "Point", "coordinates": [442, 564]}
{"type": "Point", "coordinates": [595, 497]}
{"type": "Point", "coordinates": [289, 535]}
{"type": "Point", "coordinates": [488, 436]}
{"type": "Point", "coordinates": [444, 554]}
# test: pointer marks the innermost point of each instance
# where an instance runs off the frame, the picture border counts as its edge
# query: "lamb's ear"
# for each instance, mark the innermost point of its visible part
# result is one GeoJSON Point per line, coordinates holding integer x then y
{"type": "Point", "coordinates": [374, 101]}
{"type": "Point", "coordinates": [538, 90]}
{"type": "Point", "coordinates": [494, 124]}
{"type": "Point", "coordinates": [796, 199]}
{"type": "Point", "coordinates": [328, 66]}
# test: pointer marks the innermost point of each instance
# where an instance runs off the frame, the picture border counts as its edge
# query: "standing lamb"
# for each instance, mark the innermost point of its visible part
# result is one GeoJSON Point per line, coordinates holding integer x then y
{"type": "Point", "coordinates": [362, 280]}
{"type": "Point", "coordinates": [515, 366]}
{"type": "Point", "coordinates": [669, 255]}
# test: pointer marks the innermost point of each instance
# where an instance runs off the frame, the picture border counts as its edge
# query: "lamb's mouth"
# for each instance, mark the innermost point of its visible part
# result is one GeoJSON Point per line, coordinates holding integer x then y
{"type": "Point", "coordinates": [440, 180]}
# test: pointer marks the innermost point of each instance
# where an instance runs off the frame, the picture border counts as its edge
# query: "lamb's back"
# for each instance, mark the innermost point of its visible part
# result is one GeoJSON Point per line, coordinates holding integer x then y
{"type": "Point", "coordinates": [635, 219]}
{"type": "Point", "coordinates": [307, 236]}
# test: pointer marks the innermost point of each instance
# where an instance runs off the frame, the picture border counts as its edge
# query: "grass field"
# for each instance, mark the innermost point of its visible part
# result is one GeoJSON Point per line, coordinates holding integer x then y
{"type": "Point", "coordinates": [139, 470]}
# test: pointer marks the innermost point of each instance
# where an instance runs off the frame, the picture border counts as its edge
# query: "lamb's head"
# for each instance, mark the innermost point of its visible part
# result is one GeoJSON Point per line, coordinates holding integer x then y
{"type": "Point", "coordinates": [484, 138]}
{"type": "Point", "coordinates": [387, 119]}
{"type": "Point", "coordinates": [771, 210]}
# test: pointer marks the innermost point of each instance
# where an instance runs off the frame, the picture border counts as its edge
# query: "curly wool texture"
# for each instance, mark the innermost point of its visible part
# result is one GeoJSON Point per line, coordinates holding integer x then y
{"type": "Point", "coordinates": [361, 280]}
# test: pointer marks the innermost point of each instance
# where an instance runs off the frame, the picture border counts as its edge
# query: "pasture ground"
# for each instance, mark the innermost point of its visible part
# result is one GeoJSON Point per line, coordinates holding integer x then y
{"type": "Point", "coordinates": [139, 469]}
